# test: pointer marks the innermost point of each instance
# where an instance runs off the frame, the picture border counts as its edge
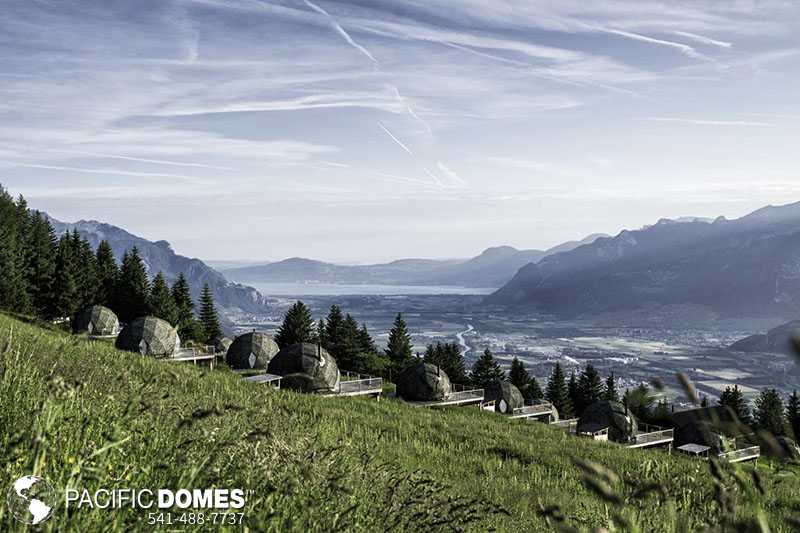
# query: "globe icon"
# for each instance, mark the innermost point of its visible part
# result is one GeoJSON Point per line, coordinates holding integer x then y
{"type": "Point", "coordinates": [31, 500]}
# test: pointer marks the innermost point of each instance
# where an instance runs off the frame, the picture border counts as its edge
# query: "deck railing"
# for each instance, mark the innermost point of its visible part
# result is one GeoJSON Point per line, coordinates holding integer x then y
{"type": "Point", "coordinates": [533, 410]}
{"type": "Point", "coordinates": [652, 434]}
{"type": "Point", "coordinates": [742, 454]}
{"type": "Point", "coordinates": [570, 425]}
{"type": "Point", "coordinates": [353, 382]}
{"type": "Point", "coordinates": [461, 393]}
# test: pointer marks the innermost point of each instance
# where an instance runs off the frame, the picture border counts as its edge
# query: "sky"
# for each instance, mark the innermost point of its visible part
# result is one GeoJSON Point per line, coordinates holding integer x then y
{"type": "Point", "coordinates": [365, 131]}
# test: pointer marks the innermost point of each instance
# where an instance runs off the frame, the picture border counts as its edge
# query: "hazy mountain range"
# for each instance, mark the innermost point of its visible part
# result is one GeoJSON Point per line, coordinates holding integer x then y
{"type": "Point", "coordinates": [747, 267]}
{"type": "Point", "coordinates": [492, 268]}
{"type": "Point", "coordinates": [159, 257]}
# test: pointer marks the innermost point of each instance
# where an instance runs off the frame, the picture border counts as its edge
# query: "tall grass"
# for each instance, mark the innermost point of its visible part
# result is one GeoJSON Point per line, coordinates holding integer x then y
{"type": "Point", "coordinates": [82, 414]}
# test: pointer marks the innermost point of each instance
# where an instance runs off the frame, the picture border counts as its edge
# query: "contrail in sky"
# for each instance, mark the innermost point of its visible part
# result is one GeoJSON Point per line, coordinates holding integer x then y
{"type": "Point", "coordinates": [341, 31]}
{"type": "Point", "coordinates": [395, 139]}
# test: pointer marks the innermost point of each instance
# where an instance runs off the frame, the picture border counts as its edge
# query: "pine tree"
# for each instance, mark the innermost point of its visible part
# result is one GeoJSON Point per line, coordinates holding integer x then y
{"type": "Point", "coordinates": [640, 402]}
{"type": "Point", "coordinates": [558, 394]}
{"type": "Point", "coordinates": [449, 358]}
{"type": "Point", "coordinates": [334, 330]}
{"type": "Point", "coordinates": [107, 274]}
{"type": "Point", "coordinates": [13, 286]}
{"type": "Point", "coordinates": [534, 391]}
{"type": "Point", "coordinates": [208, 316]}
{"type": "Point", "coordinates": [733, 398]}
{"type": "Point", "coordinates": [188, 328]}
{"type": "Point", "coordinates": [793, 415]}
{"type": "Point", "coordinates": [527, 384]}
{"type": "Point", "coordinates": [297, 326]}
{"type": "Point", "coordinates": [366, 342]}
{"type": "Point", "coordinates": [133, 288]}
{"type": "Point", "coordinates": [160, 301]}
{"type": "Point", "coordinates": [517, 375]}
{"type": "Point", "coordinates": [22, 251]}
{"type": "Point", "coordinates": [40, 262]}
{"type": "Point", "coordinates": [66, 292]}
{"type": "Point", "coordinates": [486, 370]}
{"type": "Point", "coordinates": [769, 412]}
{"type": "Point", "coordinates": [589, 388]}
{"type": "Point", "coordinates": [399, 349]}
{"type": "Point", "coordinates": [572, 389]}
{"type": "Point", "coordinates": [348, 348]}
{"type": "Point", "coordinates": [610, 393]}
{"type": "Point", "coordinates": [86, 271]}
{"type": "Point", "coordinates": [321, 332]}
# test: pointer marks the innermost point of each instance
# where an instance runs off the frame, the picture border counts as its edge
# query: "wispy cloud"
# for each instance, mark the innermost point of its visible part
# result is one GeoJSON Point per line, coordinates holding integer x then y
{"type": "Point", "coordinates": [142, 160]}
{"type": "Point", "coordinates": [685, 48]}
{"type": "Point", "coordinates": [702, 39]}
{"type": "Point", "coordinates": [107, 171]}
{"type": "Point", "coordinates": [707, 122]}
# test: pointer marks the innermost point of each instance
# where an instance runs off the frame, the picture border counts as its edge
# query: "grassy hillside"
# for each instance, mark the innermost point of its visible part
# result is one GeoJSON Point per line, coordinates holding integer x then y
{"type": "Point", "coordinates": [82, 414]}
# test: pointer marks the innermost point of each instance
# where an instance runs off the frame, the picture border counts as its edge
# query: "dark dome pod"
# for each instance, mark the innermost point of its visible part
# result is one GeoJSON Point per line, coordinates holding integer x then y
{"type": "Point", "coordinates": [251, 351]}
{"type": "Point", "coordinates": [306, 367]}
{"type": "Point", "coordinates": [506, 396]}
{"type": "Point", "coordinates": [149, 336]}
{"type": "Point", "coordinates": [423, 382]}
{"type": "Point", "coordinates": [96, 320]}
{"type": "Point", "coordinates": [620, 421]}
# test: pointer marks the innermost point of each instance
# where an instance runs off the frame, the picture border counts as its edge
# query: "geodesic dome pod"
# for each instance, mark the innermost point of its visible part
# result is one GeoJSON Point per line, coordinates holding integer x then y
{"type": "Point", "coordinates": [221, 344]}
{"type": "Point", "coordinates": [423, 382]}
{"type": "Point", "coordinates": [620, 422]}
{"type": "Point", "coordinates": [251, 350]}
{"type": "Point", "coordinates": [306, 367]}
{"type": "Point", "coordinates": [149, 336]}
{"type": "Point", "coordinates": [96, 320]}
{"type": "Point", "coordinates": [506, 396]}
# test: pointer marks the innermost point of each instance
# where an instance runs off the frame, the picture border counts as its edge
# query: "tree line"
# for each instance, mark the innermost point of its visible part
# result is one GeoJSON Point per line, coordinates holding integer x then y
{"type": "Point", "coordinates": [54, 278]}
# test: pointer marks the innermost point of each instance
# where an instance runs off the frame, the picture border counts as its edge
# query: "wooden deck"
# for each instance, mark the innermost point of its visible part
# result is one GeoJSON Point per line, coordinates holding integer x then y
{"type": "Point", "coordinates": [353, 384]}
{"type": "Point", "coordinates": [461, 396]}
{"type": "Point", "coordinates": [533, 411]}
{"type": "Point", "coordinates": [569, 425]}
{"type": "Point", "coordinates": [652, 436]}
{"type": "Point", "coordinates": [266, 379]}
{"type": "Point", "coordinates": [190, 355]}
{"type": "Point", "coordinates": [742, 454]}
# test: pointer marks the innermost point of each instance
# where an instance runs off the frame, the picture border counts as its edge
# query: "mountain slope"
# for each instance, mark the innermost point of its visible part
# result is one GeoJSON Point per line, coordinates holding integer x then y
{"type": "Point", "coordinates": [492, 268]}
{"type": "Point", "coordinates": [159, 257]}
{"type": "Point", "coordinates": [319, 463]}
{"type": "Point", "coordinates": [749, 267]}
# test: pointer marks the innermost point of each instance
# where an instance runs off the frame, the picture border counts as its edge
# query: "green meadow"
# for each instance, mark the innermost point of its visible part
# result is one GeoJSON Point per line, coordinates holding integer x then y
{"type": "Point", "coordinates": [83, 415]}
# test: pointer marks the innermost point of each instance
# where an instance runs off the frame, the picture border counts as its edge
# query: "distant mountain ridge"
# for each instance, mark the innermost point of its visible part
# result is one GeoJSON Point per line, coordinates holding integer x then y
{"type": "Point", "coordinates": [160, 257]}
{"type": "Point", "coordinates": [748, 267]}
{"type": "Point", "coordinates": [492, 268]}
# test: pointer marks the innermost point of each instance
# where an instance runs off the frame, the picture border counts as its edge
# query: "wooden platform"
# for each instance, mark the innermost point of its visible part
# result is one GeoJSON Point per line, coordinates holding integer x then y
{"type": "Point", "coordinates": [652, 436]}
{"type": "Point", "coordinates": [461, 396]}
{"type": "Point", "coordinates": [353, 384]}
{"type": "Point", "coordinates": [569, 425]}
{"type": "Point", "coordinates": [191, 356]}
{"type": "Point", "coordinates": [267, 379]}
{"type": "Point", "coordinates": [533, 411]}
{"type": "Point", "coordinates": [751, 453]}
